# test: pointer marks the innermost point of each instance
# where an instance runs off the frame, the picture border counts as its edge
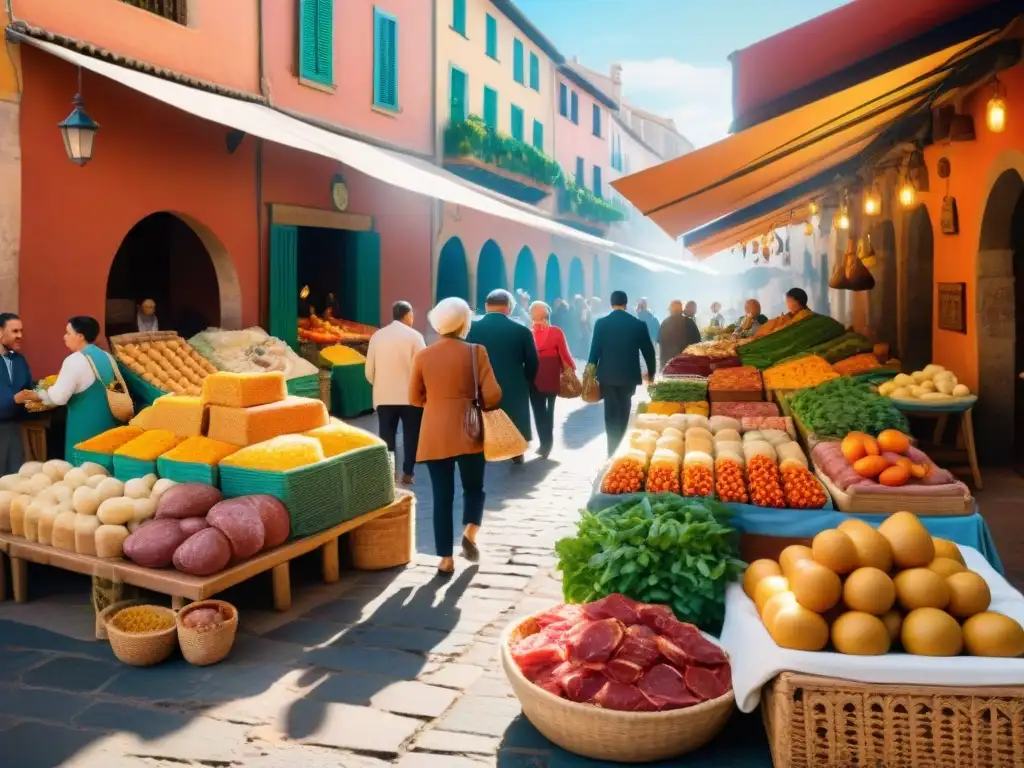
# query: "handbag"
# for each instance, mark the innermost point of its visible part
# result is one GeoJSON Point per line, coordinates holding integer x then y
{"type": "Point", "coordinates": [502, 441]}
{"type": "Point", "coordinates": [472, 424]}
{"type": "Point", "coordinates": [569, 385]}
{"type": "Point", "coordinates": [591, 390]}
{"type": "Point", "coordinates": [118, 399]}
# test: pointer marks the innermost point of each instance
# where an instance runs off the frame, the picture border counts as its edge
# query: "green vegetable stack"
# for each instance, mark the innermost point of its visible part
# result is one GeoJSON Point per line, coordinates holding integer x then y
{"type": "Point", "coordinates": [678, 391]}
{"type": "Point", "coordinates": [662, 549]}
{"type": "Point", "coordinates": [794, 339]}
{"type": "Point", "coordinates": [847, 345]}
{"type": "Point", "coordinates": [845, 405]}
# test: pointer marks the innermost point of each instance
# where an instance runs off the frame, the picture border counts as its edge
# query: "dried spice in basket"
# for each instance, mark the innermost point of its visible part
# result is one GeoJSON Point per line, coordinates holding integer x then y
{"type": "Point", "coordinates": [679, 390]}
{"type": "Point", "coordinates": [856, 364]}
{"type": "Point", "coordinates": [142, 618]}
{"type": "Point", "coordinates": [744, 378]}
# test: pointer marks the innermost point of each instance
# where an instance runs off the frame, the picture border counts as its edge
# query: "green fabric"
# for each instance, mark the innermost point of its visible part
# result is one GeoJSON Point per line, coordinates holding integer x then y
{"type": "Point", "coordinates": [284, 296]}
{"type": "Point", "coordinates": [513, 355]}
{"type": "Point", "coordinates": [88, 412]}
{"type": "Point", "coordinates": [361, 268]}
{"type": "Point", "coordinates": [351, 393]}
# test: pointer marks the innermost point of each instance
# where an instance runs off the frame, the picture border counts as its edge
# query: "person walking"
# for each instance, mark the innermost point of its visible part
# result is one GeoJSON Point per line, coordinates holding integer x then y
{"type": "Point", "coordinates": [521, 312]}
{"type": "Point", "coordinates": [15, 376]}
{"type": "Point", "coordinates": [619, 342]}
{"type": "Point", "coordinates": [643, 312]}
{"type": "Point", "coordinates": [449, 378]}
{"type": "Point", "coordinates": [513, 355]}
{"type": "Point", "coordinates": [678, 331]}
{"type": "Point", "coordinates": [553, 353]}
{"type": "Point", "coordinates": [389, 368]}
{"type": "Point", "coordinates": [560, 315]}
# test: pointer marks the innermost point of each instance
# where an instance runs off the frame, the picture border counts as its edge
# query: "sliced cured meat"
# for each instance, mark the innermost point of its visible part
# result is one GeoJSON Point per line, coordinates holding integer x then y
{"type": "Point", "coordinates": [535, 651]}
{"type": "Point", "coordinates": [704, 683]}
{"type": "Point", "coordinates": [654, 615]}
{"type": "Point", "coordinates": [561, 613]}
{"type": "Point", "coordinates": [639, 646]}
{"type": "Point", "coordinates": [546, 678]}
{"type": "Point", "coordinates": [623, 670]}
{"type": "Point", "coordinates": [613, 607]}
{"type": "Point", "coordinates": [596, 641]}
{"type": "Point", "coordinates": [665, 688]}
{"type": "Point", "coordinates": [724, 674]}
{"type": "Point", "coordinates": [582, 685]}
{"type": "Point", "coordinates": [621, 697]}
{"type": "Point", "coordinates": [688, 638]}
{"type": "Point", "coordinates": [675, 655]}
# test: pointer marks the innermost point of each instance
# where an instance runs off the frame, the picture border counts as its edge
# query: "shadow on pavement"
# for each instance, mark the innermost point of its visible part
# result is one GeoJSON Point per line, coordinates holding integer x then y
{"type": "Point", "coordinates": [580, 427]}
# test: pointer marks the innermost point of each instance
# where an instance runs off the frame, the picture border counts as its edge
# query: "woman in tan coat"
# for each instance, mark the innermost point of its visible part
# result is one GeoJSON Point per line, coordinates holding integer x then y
{"type": "Point", "coordinates": [442, 384]}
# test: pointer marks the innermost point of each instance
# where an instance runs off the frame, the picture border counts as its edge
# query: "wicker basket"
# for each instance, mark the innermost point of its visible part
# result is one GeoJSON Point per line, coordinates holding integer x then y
{"type": "Point", "coordinates": [604, 734]}
{"type": "Point", "coordinates": [187, 471]}
{"type": "Point", "coordinates": [817, 721]}
{"type": "Point", "coordinates": [387, 541]}
{"type": "Point", "coordinates": [105, 460]}
{"type": "Point", "coordinates": [142, 649]}
{"type": "Point", "coordinates": [203, 648]}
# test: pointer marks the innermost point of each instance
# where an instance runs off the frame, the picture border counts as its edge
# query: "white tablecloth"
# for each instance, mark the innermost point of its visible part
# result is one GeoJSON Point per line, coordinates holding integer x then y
{"type": "Point", "coordinates": [756, 658]}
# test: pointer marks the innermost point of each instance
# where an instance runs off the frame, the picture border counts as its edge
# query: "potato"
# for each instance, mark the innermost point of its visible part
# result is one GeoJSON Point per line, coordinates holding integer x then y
{"type": "Point", "coordinates": [9, 482]}
{"type": "Point", "coordinates": [30, 469]}
{"type": "Point", "coordinates": [116, 511]}
{"type": "Point", "coordinates": [961, 390]}
{"type": "Point", "coordinates": [110, 540]}
{"type": "Point", "coordinates": [64, 531]}
{"type": "Point", "coordinates": [85, 534]}
{"type": "Point", "coordinates": [136, 488]}
{"type": "Point", "coordinates": [55, 469]}
{"type": "Point", "coordinates": [160, 487]}
{"type": "Point", "coordinates": [144, 509]}
{"type": "Point", "coordinates": [47, 517]}
{"type": "Point", "coordinates": [39, 483]}
{"type": "Point", "coordinates": [96, 480]}
{"type": "Point", "coordinates": [86, 501]}
{"type": "Point", "coordinates": [150, 480]}
{"type": "Point", "coordinates": [32, 512]}
{"type": "Point", "coordinates": [75, 477]}
{"type": "Point", "coordinates": [61, 492]}
{"type": "Point", "coordinates": [110, 488]}
{"type": "Point", "coordinates": [91, 468]}
{"type": "Point", "coordinates": [19, 509]}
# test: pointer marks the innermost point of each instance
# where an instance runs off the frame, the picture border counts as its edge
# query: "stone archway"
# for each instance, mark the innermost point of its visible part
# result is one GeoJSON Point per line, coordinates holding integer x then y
{"type": "Point", "coordinates": [525, 275]}
{"type": "Point", "coordinates": [452, 272]}
{"type": "Point", "coordinates": [181, 264]}
{"type": "Point", "coordinates": [553, 282]}
{"type": "Point", "coordinates": [490, 272]}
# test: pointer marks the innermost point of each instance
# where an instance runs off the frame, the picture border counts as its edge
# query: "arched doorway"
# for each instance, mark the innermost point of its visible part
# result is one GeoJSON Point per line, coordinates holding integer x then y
{"type": "Point", "coordinates": [180, 264]}
{"type": "Point", "coordinates": [999, 325]}
{"type": "Point", "coordinates": [490, 272]}
{"type": "Point", "coordinates": [452, 272]}
{"type": "Point", "coordinates": [597, 278]}
{"type": "Point", "coordinates": [915, 346]}
{"type": "Point", "coordinates": [553, 282]}
{"type": "Point", "coordinates": [883, 312]}
{"type": "Point", "coordinates": [577, 283]}
{"type": "Point", "coordinates": [526, 273]}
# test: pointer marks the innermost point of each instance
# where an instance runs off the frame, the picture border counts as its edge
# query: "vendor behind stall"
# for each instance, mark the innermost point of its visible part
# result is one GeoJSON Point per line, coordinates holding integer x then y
{"type": "Point", "coordinates": [145, 318]}
{"type": "Point", "coordinates": [752, 319]}
{"type": "Point", "coordinates": [796, 304]}
{"type": "Point", "coordinates": [15, 376]}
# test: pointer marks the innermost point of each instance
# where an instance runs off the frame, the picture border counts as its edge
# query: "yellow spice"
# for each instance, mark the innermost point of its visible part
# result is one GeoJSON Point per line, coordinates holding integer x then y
{"type": "Point", "coordinates": [279, 454]}
{"type": "Point", "coordinates": [201, 450]}
{"type": "Point", "coordinates": [111, 440]}
{"type": "Point", "coordinates": [149, 445]}
{"type": "Point", "coordinates": [339, 437]}
{"type": "Point", "coordinates": [142, 618]}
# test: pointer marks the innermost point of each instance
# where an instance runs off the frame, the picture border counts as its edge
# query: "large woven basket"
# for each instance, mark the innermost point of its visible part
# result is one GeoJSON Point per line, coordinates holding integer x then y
{"type": "Point", "coordinates": [187, 471]}
{"type": "Point", "coordinates": [127, 468]}
{"type": "Point", "coordinates": [105, 460]}
{"type": "Point", "coordinates": [387, 541]}
{"type": "Point", "coordinates": [205, 647]}
{"type": "Point", "coordinates": [305, 386]}
{"type": "Point", "coordinates": [142, 649]}
{"type": "Point", "coordinates": [822, 721]}
{"type": "Point", "coordinates": [604, 734]}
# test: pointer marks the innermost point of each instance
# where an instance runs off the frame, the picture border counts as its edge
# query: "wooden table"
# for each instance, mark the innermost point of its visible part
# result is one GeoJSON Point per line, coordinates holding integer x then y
{"type": "Point", "coordinates": [181, 586]}
{"type": "Point", "coordinates": [964, 438]}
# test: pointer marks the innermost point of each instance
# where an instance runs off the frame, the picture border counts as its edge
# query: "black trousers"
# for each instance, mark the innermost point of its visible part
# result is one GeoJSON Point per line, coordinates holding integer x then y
{"type": "Point", "coordinates": [544, 416]}
{"type": "Point", "coordinates": [442, 482]}
{"type": "Point", "coordinates": [617, 402]}
{"type": "Point", "coordinates": [388, 417]}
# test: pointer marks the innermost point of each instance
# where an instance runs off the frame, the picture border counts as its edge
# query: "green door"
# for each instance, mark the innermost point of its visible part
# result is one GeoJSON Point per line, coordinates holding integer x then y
{"type": "Point", "coordinates": [284, 291]}
{"type": "Point", "coordinates": [459, 107]}
{"type": "Point", "coordinates": [362, 277]}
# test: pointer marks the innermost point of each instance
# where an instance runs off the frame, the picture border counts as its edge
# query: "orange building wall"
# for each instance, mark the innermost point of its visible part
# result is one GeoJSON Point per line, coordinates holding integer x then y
{"type": "Point", "coordinates": [220, 43]}
{"type": "Point", "coordinates": [956, 255]}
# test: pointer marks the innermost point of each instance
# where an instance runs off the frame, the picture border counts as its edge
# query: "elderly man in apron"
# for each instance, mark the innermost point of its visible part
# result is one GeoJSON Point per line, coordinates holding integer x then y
{"type": "Point", "coordinates": [15, 377]}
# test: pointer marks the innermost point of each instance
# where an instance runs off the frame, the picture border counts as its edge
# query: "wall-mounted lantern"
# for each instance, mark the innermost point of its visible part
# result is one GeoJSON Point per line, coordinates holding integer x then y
{"type": "Point", "coordinates": [995, 112]}
{"type": "Point", "coordinates": [78, 130]}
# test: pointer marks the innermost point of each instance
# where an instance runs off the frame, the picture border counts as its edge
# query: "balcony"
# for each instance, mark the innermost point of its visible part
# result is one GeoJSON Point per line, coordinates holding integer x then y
{"type": "Point", "coordinates": [580, 208]}
{"type": "Point", "coordinates": [494, 160]}
{"type": "Point", "coordinates": [174, 10]}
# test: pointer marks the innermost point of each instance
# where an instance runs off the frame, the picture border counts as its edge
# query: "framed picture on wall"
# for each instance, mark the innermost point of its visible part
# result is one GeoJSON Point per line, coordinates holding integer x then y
{"type": "Point", "coordinates": [953, 307]}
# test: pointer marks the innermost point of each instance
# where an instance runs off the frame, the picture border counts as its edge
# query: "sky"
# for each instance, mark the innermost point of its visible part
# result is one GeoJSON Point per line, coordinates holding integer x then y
{"type": "Point", "coordinates": [674, 53]}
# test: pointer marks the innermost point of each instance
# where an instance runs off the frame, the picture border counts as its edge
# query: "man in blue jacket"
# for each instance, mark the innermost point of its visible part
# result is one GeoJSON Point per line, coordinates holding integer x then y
{"type": "Point", "coordinates": [14, 377]}
{"type": "Point", "coordinates": [619, 341]}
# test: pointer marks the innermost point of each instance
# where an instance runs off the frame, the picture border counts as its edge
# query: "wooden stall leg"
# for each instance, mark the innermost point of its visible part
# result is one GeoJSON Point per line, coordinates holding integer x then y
{"type": "Point", "coordinates": [331, 563]}
{"type": "Point", "coordinates": [941, 422]}
{"type": "Point", "coordinates": [177, 603]}
{"type": "Point", "coordinates": [19, 579]}
{"type": "Point", "coordinates": [967, 422]}
{"type": "Point", "coordinates": [3, 577]}
{"type": "Point", "coordinates": [282, 587]}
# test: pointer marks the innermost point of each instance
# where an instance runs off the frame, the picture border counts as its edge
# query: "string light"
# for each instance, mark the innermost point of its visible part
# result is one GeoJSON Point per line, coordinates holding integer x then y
{"type": "Point", "coordinates": [872, 203]}
{"type": "Point", "coordinates": [813, 208]}
{"type": "Point", "coordinates": [995, 113]}
{"type": "Point", "coordinates": [843, 221]}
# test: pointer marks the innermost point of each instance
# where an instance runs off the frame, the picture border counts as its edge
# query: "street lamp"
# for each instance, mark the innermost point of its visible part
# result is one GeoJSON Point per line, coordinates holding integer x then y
{"type": "Point", "coordinates": [78, 130]}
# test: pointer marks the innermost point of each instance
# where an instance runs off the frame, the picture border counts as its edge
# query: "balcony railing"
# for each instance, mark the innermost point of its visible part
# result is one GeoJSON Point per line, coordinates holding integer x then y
{"type": "Point", "coordinates": [175, 10]}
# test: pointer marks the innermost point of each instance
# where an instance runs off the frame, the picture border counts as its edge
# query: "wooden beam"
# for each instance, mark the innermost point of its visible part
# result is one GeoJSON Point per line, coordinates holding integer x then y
{"type": "Point", "coordinates": [300, 216]}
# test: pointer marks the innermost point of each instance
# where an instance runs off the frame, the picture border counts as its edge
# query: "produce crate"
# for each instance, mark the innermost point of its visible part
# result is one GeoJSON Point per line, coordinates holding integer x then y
{"type": "Point", "coordinates": [143, 393]}
{"type": "Point", "coordinates": [926, 505]}
{"type": "Point", "coordinates": [127, 468]}
{"type": "Point", "coordinates": [815, 721]}
{"type": "Point", "coordinates": [187, 471]}
{"type": "Point", "coordinates": [305, 386]}
{"type": "Point", "coordinates": [105, 460]}
{"type": "Point", "coordinates": [325, 494]}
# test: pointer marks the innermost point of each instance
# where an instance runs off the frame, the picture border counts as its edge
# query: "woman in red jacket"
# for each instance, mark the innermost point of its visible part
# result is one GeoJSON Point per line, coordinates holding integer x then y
{"type": "Point", "coordinates": [554, 355]}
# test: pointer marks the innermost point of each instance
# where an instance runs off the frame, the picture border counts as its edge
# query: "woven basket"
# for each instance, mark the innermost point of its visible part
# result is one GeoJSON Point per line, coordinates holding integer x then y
{"type": "Point", "coordinates": [126, 468]}
{"type": "Point", "coordinates": [889, 503]}
{"type": "Point", "coordinates": [387, 541]}
{"type": "Point", "coordinates": [203, 648]}
{"type": "Point", "coordinates": [305, 386]}
{"type": "Point", "coordinates": [822, 721]}
{"type": "Point", "coordinates": [324, 382]}
{"type": "Point", "coordinates": [105, 460]}
{"type": "Point", "coordinates": [604, 734]}
{"type": "Point", "coordinates": [187, 471]}
{"type": "Point", "coordinates": [143, 393]}
{"type": "Point", "coordinates": [142, 649]}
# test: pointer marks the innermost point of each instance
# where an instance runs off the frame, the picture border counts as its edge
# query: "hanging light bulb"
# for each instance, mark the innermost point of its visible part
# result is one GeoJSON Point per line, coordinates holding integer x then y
{"type": "Point", "coordinates": [808, 229]}
{"type": "Point", "coordinates": [843, 222]}
{"type": "Point", "coordinates": [908, 195]}
{"type": "Point", "coordinates": [995, 112]}
{"type": "Point", "coordinates": [872, 203]}
{"type": "Point", "coordinates": [813, 209]}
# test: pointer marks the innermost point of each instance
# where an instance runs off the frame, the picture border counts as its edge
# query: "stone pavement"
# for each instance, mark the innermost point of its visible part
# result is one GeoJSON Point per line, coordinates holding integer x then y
{"type": "Point", "coordinates": [391, 668]}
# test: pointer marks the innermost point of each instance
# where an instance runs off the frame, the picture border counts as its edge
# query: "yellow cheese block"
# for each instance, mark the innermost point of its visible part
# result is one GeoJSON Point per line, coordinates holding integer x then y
{"type": "Point", "coordinates": [244, 390]}
{"type": "Point", "coordinates": [246, 426]}
{"type": "Point", "coordinates": [184, 415]}
{"type": "Point", "coordinates": [339, 437]}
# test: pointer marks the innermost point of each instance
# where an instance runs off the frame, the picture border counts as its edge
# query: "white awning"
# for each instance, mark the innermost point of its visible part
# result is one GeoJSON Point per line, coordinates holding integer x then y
{"type": "Point", "coordinates": [403, 171]}
{"type": "Point", "coordinates": [651, 266]}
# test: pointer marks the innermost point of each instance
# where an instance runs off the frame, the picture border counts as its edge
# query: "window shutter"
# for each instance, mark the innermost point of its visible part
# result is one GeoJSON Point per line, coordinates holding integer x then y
{"type": "Point", "coordinates": [491, 107]}
{"type": "Point", "coordinates": [316, 41]}
{"type": "Point", "coordinates": [538, 135]}
{"type": "Point", "coordinates": [492, 37]}
{"type": "Point", "coordinates": [517, 123]}
{"type": "Point", "coordinates": [575, 110]}
{"type": "Point", "coordinates": [458, 95]}
{"type": "Point", "coordinates": [534, 72]}
{"type": "Point", "coordinates": [517, 61]}
{"type": "Point", "coordinates": [385, 60]}
{"type": "Point", "coordinates": [580, 181]}
{"type": "Point", "coordinates": [597, 181]}
{"type": "Point", "coordinates": [563, 100]}
{"type": "Point", "coordinates": [597, 121]}
{"type": "Point", "coordinates": [459, 16]}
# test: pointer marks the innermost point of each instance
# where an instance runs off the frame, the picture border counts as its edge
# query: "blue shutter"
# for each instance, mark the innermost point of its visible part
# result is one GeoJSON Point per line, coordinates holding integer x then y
{"type": "Point", "coordinates": [517, 123]}
{"type": "Point", "coordinates": [597, 121]}
{"type": "Point", "coordinates": [491, 108]}
{"type": "Point", "coordinates": [385, 60]}
{"type": "Point", "coordinates": [574, 112]}
{"type": "Point", "coordinates": [597, 181]}
{"type": "Point", "coordinates": [459, 16]}
{"type": "Point", "coordinates": [563, 100]}
{"type": "Point", "coordinates": [457, 95]}
{"type": "Point", "coordinates": [517, 61]}
{"type": "Point", "coordinates": [534, 72]}
{"type": "Point", "coordinates": [316, 41]}
{"type": "Point", "coordinates": [538, 135]}
{"type": "Point", "coordinates": [580, 181]}
{"type": "Point", "coordinates": [492, 37]}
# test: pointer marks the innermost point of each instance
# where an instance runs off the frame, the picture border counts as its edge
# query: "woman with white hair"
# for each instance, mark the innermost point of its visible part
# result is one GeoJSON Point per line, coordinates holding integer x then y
{"type": "Point", "coordinates": [553, 351]}
{"type": "Point", "coordinates": [451, 380]}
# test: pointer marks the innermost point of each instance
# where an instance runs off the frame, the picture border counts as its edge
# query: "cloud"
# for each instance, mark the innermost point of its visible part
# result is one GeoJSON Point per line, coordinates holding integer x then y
{"type": "Point", "coordinates": [699, 99]}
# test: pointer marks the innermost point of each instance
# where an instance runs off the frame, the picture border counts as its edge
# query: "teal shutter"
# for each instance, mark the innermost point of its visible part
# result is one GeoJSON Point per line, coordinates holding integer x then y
{"type": "Point", "coordinates": [284, 284]}
{"type": "Point", "coordinates": [580, 181]}
{"type": "Point", "coordinates": [597, 121]}
{"type": "Point", "coordinates": [316, 41]}
{"type": "Point", "coordinates": [517, 123]}
{"type": "Point", "coordinates": [563, 100]}
{"type": "Point", "coordinates": [362, 277]}
{"type": "Point", "coordinates": [534, 72]}
{"type": "Point", "coordinates": [459, 16]}
{"type": "Point", "coordinates": [538, 135]}
{"type": "Point", "coordinates": [458, 95]}
{"type": "Point", "coordinates": [574, 112]}
{"type": "Point", "coordinates": [385, 60]}
{"type": "Point", "coordinates": [491, 108]}
{"type": "Point", "coordinates": [517, 61]}
{"type": "Point", "coordinates": [597, 181]}
{"type": "Point", "coordinates": [492, 37]}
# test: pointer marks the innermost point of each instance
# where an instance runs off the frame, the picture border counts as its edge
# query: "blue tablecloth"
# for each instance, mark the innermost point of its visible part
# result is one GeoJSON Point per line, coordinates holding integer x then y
{"type": "Point", "coordinates": [927, 408]}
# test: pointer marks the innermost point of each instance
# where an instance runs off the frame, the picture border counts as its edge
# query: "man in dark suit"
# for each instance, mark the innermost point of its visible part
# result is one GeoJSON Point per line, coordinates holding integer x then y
{"type": "Point", "coordinates": [15, 377]}
{"type": "Point", "coordinates": [619, 341]}
{"type": "Point", "coordinates": [513, 356]}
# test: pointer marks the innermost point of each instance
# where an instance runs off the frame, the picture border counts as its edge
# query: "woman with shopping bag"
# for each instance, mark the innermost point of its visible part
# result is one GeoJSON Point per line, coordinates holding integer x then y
{"type": "Point", "coordinates": [556, 374]}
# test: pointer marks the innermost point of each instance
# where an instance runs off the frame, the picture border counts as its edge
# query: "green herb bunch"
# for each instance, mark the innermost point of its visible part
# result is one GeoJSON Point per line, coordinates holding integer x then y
{"type": "Point", "coordinates": [678, 391]}
{"type": "Point", "coordinates": [845, 405]}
